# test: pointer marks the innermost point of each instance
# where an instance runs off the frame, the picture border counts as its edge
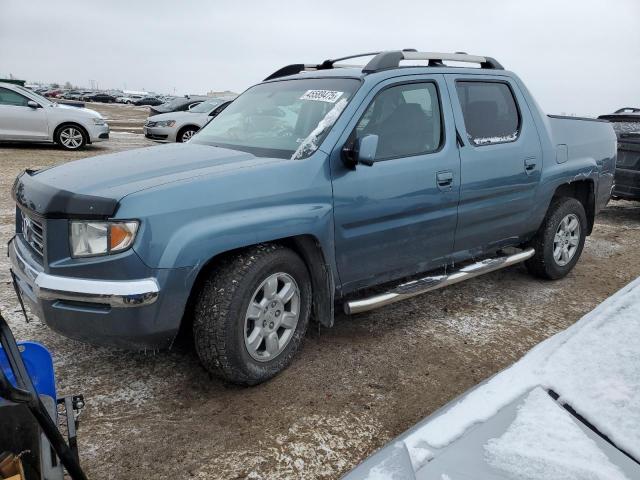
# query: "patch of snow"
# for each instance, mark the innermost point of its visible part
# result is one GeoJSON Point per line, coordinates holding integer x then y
{"type": "Point", "coordinates": [419, 451]}
{"type": "Point", "coordinates": [310, 144]}
{"type": "Point", "coordinates": [544, 443]}
{"type": "Point", "coordinates": [594, 365]}
{"type": "Point", "coordinates": [499, 139]}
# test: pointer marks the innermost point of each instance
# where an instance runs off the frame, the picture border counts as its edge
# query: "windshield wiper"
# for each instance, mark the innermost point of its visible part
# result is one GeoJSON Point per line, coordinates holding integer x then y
{"type": "Point", "coordinates": [589, 425]}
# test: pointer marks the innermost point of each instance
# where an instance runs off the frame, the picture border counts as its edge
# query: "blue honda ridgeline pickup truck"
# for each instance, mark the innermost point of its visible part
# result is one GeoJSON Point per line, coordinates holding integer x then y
{"type": "Point", "coordinates": [309, 190]}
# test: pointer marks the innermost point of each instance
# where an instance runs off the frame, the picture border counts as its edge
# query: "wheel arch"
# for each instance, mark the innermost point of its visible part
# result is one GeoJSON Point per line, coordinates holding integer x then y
{"type": "Point", "coordinates": [584, 192]}
{"type": "Point", "coordinates": [78, 125]}
{"type": "Point", "coordinates": [185, 127]}
{"type": "Point", "coordinates": [310, 251]}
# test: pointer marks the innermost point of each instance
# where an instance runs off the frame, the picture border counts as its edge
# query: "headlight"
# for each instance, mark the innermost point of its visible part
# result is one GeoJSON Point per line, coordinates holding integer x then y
{"type": "Point", "coordinates": [89, 239]}
{"type": "Point", "coordinates": [165, 123]}
{"type": "Point", "coordinates": [98, 121]}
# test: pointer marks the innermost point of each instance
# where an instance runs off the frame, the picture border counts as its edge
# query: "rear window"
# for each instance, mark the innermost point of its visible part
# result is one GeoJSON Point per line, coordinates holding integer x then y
{"type": "Point", "coordinates": [490, 112]}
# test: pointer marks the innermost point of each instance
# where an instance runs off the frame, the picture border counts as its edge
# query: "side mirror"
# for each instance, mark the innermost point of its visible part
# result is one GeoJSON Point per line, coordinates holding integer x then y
{"type": "Point", "coordinates": [363, 151]}
{"type": "Point", "coordinates": [32, 104]}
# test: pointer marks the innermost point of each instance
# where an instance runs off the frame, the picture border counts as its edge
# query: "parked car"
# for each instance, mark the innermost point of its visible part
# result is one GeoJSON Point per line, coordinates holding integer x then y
{"type": "Point", "coordinates": [148, 101]}
{"type": "Point", "coordinates": [101, 97]}
{"type": "Point", "coordinates": [54, 93]}
{"type": "Point", "coordinates": [626, 123]}
{"type": "Point", "coordinates": [181, 126]}
{"type": "Point", "coordinates": [26, 116]}
{"type": "Point", "coordinates": [129, 98]}
{"type": "Point", "coordinates": [179, 104]}
{"type": "Point", "coordinates": [72, 95]}
{"type": "Point", "coordinates": [307, 190]}
{"type": "Point", "coordinates": [567, 410]}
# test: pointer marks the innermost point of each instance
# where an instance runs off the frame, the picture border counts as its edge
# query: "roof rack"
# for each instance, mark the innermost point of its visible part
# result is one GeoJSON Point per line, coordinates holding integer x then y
{"type": "Point", "coordinates": [391, 59]}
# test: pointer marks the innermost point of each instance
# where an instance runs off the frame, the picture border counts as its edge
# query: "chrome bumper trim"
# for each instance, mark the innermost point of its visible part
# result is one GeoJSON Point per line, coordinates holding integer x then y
{"type": "Point", "coordinates": [115, 293]}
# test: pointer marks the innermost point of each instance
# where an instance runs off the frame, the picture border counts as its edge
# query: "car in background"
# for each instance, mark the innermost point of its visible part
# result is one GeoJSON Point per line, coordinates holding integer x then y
{"type": "Point", "coordinates": [26, 116]}
{"type": "Point", "coordinates": [148, 100]}
{"type": "Point", "coordinates": [181, 126]}
{"type": "Point", "coordinates": [129, 99]}
{"type": "Point", "coordinates": [179, 104]}
{"type": "Point", "coordinates": [54, 93]}
{"type": "Point", "coordinates": [72, 95]}
{"type": "Point", "coordinates": [626, 123]}
{"type": "Point", "coordinates": [100, 97]}
{"type": "Point", "coordinates": [567, 410]}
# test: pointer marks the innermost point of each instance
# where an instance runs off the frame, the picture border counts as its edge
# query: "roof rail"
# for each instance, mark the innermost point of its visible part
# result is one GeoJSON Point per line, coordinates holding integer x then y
{"type": "Point", "coordinates": [390, 59]}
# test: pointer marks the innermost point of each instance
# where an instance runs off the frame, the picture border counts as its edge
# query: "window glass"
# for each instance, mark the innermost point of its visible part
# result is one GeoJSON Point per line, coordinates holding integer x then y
{"type": "Point", "coordinates": [9, 97]}
{"type": "Point", "coordinates": [490, 112]}
{"type": "Point", "coordinates": [406, 119]}
{"type": "Point", "coordinates": [283, 119]}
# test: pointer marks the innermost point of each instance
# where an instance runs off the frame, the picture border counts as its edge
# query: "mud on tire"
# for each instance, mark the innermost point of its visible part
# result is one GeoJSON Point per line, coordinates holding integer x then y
{"type": "Point", "coordinates": [221, 312]}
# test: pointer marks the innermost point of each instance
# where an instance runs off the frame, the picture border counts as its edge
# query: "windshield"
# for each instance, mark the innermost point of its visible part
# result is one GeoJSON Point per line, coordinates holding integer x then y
{"type": "Point", "coordinates": [286, 119]}
{"type": "Point", "coordinates": [206, 107]}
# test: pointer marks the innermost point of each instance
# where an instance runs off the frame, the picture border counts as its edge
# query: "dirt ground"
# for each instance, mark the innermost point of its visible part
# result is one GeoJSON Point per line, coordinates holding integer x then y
{"type": "Point", "coordinates": [351, 389]}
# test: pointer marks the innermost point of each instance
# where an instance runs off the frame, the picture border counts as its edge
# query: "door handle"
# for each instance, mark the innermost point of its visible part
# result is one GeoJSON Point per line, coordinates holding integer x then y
{"type": "Point", "coordinates": [444, 179]}
{"type": "Point", "coordinates": [529, 164]}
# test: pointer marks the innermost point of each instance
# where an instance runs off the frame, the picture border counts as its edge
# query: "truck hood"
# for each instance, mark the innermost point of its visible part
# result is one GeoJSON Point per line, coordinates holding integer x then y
{"type": "Point", "coordinates": [92, 187]}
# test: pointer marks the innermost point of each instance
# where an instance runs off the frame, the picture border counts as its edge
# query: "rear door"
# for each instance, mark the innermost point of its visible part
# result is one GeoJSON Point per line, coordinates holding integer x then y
{"type": "Point", "coordinates": [18, 121]}
{"type": "Point", "coordinates": [501, 162]}
{"type": "Point", "coordinates": [398, 216]}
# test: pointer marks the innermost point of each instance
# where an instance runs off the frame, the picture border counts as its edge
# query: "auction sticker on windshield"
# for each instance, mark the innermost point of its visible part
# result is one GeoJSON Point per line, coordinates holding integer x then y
{"type": "Point", "coordinates": [329, 96]}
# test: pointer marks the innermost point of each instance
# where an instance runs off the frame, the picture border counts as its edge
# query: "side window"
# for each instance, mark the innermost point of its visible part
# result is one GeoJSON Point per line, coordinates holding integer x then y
{"type": "Point", "coordinates": [406, 119]}
{"type": "Point", "coordinates": [9, 97]}
{"type": "Point", "coordinates": [490, 112]}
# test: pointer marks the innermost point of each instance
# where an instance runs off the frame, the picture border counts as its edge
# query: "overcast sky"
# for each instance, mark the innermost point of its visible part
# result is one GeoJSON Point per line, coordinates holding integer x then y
{"type": "Point", "coordinates": [576, 56]}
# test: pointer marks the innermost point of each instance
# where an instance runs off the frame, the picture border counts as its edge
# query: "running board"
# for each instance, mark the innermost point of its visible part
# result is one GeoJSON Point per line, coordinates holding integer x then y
{"type": "Point", "coordinates": [427, 284]}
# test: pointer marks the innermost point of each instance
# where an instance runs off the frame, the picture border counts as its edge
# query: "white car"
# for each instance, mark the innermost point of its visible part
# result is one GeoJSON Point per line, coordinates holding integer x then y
{"type": "Point", "coordinates": [181, 126]}
{"type": "Point", "coordinates": [26, 116]}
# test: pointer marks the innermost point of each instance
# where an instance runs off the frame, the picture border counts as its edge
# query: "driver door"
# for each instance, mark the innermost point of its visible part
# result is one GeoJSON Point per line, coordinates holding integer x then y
{"type": "Point", "coordinates": [397, 217]}
{"type": "Point", "coordinates": [18, 121]}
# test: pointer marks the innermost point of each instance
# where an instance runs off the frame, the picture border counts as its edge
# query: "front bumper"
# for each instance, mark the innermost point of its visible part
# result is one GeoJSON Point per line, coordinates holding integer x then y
{"type": "Point", "coordinates": [131, 314]}
{"type": "Point", "coordinates": [160, 134]}
{"type": "Point", "coordinates": [98, 133]}
{"type": "Point", "coordinates": [118, 293]}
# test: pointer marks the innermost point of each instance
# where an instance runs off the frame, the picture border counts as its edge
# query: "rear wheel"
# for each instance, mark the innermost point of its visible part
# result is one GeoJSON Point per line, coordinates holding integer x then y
{"type": "Point", "coordinates": [560, 240]}
{"type": "Point", "coordinates": [252, 314]}
{"type": "Point", "coordinates": [185, 134]}
{"type": "Point", "coordinates": [71, 137]}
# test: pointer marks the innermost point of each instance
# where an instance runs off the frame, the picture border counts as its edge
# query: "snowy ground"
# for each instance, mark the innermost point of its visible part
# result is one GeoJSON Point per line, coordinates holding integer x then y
{"type": "Point", "coordinates": [351, 388]}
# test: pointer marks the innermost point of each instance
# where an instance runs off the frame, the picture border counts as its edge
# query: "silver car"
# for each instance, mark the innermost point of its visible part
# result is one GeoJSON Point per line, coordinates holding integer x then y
{"type": "Point", "coordinates": [181, 126]}
{"type": "Point", "coordinates": [26, 116]}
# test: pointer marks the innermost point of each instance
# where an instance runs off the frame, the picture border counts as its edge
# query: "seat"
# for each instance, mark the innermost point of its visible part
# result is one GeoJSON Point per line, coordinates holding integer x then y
{"type": "Point", "coordinates": [405, 132]}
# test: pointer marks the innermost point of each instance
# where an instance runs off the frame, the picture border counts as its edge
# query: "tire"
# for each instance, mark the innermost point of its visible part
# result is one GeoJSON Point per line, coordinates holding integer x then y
{"type": "Point", "coordinates": [71, 136]}
{"type": "Point", "coordinates": [185, 134]}
{"type": "Point", "coordinates": [223, 325]}
{"type": "Point", "coordinates": [551, 260]}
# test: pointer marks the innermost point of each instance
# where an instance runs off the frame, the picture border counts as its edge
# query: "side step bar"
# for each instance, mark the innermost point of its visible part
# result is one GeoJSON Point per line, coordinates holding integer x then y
{"type": "Point", "coordinates": [427, 284]}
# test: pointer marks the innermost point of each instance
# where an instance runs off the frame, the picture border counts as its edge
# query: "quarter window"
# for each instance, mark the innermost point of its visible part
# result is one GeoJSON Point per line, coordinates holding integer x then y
{"type": "Point", "coordinates": [9, 97]}
{"type": "Point", "coordinates": [406, 119]}
{"type": "Point", "coordinates": [490, 112]}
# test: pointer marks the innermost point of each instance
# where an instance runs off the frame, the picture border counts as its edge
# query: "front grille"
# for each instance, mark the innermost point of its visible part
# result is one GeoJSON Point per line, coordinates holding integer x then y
{"type": "Point", "coordinates": [33, 233]}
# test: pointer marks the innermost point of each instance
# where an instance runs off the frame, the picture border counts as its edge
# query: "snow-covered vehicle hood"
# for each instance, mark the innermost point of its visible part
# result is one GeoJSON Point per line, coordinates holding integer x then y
{"type": "Point", "coordinates": [569, 409]}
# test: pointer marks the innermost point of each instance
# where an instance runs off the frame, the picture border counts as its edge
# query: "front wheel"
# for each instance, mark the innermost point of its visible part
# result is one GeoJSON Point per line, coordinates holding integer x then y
{"type": "Point", "coordinates": [70, 137]}
{"type": "Point", "coordinates": [560, 240]}
{"type": "Point", "coordinates": [185, 134]}
{"type": "Point", "coordinates": [252, 313]}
